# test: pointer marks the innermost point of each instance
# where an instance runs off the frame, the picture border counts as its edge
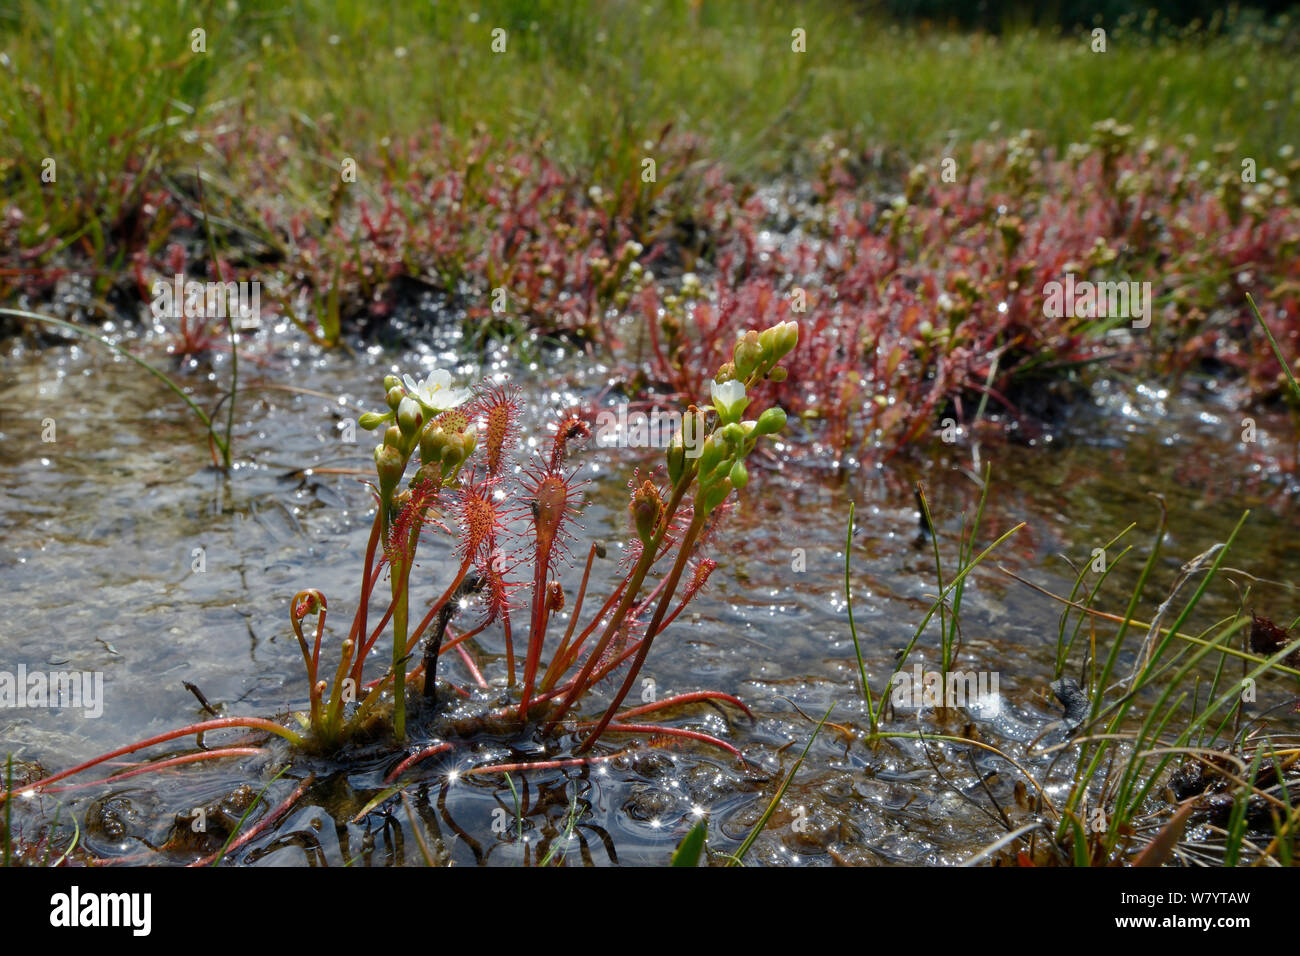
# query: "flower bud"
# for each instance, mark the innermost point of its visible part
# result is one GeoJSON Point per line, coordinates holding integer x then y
{"type": "Point", "coordinates": [747, 355]}
{"type": "Point", "coordinates": [395, 396]}
{"type": "Point", "coordinates": [733, 434]}
{"type": "Point", "coordinates": [647, 508]}
{"type": "Point", "coordinates": [692, 433]}
{"type": "Point", "coordinates": [453, 453]}
{"type": "Point", "coordinates": [393, 436]}
{"type": "Point", "coordinates": [787, 337]}
{"type": "Point", "coordinates": [676, 456]}
{"type": "Point", "coordinates": [710, 455]}
{"type": "Point", "coordinates": [777, 374]}
{"type": "Point", "coordinates": [389, 467]}
{"type": "Point", "coordinates": [409, 417]}
{"type": "Point", "coordinates": [713, 495]}
{"type": "Point", "coordinates": [427, 473]}
{"type": "Point", "coordinates": [771, 421]}
{"type": "Point", "coordinates": [457, 449]}
{"type": "Point", "coordinates": [432, 442]}
{"type": "Point", "coordinates": [391, 382]}
{"type": "Point", "coordinates": [372, 420]}
{"type": "Point", "coordinates": [739, 477]}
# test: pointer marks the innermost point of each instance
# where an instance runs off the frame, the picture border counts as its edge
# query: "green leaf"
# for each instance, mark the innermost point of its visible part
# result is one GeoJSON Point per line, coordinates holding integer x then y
{"type": "Point", "coordinates": [692, 846]}
{"type": "Point", "coordinates": [1277, 351]}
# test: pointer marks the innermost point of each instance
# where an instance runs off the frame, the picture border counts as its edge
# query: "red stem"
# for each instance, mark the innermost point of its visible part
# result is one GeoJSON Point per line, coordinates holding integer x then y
{"type": "Point", "coordinates": [671, 732]}
{"type": "Point", "coordinates": [367, 584]}
{"type": "Point", "coordinates": [164, 764]}
{"type": "Point", "coordinates": [510, 646]}
{"type": "Point", "coordinates": [437, 606]}
{"type": "Point", "coordinates": [473, 632]}
{"type": "Point", "coordinates": [537, 632]}
{"type": "Point", "coordinates": [416, 758]}
{"type": "Point", "coordinates": [538, 765]}
{"type": "Point", "coordinates": [469, 663]}
{"type": "Point", "coordinates": [571, 656]}
{"type": "Point", "coordinates": [203, 727]}
{"type": "Point", "coordinates": [549, 677]}
{"type": "Point", "coordinates": [685, 699]}
{"type": "Point", "coordinates": [687, 545]}
{"type": "Point", "coordinates": [262, 824]}
{"type": "Point", "coordinates": [633, 586]}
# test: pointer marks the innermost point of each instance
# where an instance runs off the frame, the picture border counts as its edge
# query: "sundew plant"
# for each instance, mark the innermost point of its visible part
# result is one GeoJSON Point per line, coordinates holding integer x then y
{"type": "Point", "coordinates": [444, 467]}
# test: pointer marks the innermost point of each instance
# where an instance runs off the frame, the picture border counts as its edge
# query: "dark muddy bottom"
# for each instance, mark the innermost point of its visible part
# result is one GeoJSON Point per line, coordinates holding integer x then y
{"type": "Point", "coordinates": [126, 554]}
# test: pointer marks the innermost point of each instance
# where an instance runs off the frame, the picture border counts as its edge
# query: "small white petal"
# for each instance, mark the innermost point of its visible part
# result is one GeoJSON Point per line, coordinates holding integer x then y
{"type": "Point", "coordinates": [728, 393]}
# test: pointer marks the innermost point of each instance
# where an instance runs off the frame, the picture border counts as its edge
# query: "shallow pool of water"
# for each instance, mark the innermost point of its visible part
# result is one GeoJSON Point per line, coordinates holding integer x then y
{"type": "Point", "coordinates": [126, 553]}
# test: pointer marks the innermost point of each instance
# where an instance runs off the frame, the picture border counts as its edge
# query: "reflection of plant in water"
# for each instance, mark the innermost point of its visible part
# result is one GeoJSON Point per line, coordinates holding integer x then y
{"type": "Point", "coordinates": [456, 446]}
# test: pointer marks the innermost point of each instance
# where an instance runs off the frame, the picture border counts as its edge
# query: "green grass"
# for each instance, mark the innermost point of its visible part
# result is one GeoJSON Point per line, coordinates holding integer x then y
{"type": "Point", "coordinates": [947, 604]}
{"type": "Point", "coordinates": [110, 87]}
{"type": "Point", "coordinates": [691, 849]}
{"type": "Point", "coordinates": [556, 852]}
{"type": "Point", "coordinates": [221, 443]}
{"type": "Point", "coordinates": [738, 858]}
{"type": "Point", "coordinates": [225, 847]}
{"type": "Point", "coordinates": [1176, 703]}
{"type": "Point", "coordinates": [1162, 714]}
{"type": "Point", "coordinates": [1277, 351]}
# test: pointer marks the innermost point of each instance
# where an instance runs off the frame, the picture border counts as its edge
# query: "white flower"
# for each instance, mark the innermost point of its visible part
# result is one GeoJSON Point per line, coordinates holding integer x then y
{"type": "Point", "coordinates": [729, 399]}
{"type": "Point", "coordinates": [435, 392]}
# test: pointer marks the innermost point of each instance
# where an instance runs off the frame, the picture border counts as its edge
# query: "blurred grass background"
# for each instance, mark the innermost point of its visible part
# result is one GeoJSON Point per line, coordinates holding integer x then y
{"type": "Point", "coordinates": [113, 92]}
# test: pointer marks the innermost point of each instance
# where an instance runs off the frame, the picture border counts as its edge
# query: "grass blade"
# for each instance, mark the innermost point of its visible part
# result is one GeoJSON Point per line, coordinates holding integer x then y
{"type": "Point", "coordinates": [1286, 366]}
{"type": "Point", "coordinates": [853, 629]}
{"type": "Point", "coordinates": [688, 852]}
{"type": "Point", "coordinates": [161, 376]}
{"type": "Point", "coordinates": [739, 857]}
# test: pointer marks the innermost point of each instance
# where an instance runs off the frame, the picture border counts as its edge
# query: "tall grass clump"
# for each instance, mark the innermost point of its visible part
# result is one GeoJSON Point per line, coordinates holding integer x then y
{"type": "Point", "coordinates": [1159, 736]}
